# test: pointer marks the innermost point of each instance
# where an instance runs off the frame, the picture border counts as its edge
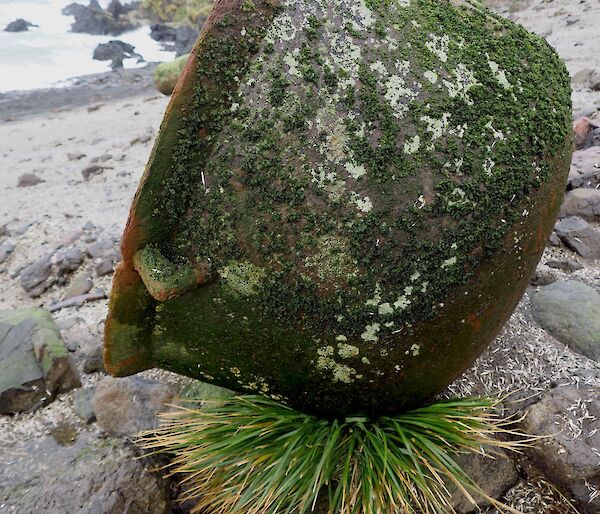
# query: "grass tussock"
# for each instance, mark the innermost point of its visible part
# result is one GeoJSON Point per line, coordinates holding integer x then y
{"type": "Point", "coordinates": [252, 455]}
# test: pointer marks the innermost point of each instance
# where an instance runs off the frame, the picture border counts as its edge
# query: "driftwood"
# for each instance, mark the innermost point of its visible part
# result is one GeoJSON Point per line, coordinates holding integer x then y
{"type": "Point", "coordinates": [76, 301]}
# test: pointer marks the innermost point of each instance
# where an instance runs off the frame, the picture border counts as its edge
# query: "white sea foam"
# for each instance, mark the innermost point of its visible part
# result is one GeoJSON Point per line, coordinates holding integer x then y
{"type": "Point", "coordinates": [48, 55]}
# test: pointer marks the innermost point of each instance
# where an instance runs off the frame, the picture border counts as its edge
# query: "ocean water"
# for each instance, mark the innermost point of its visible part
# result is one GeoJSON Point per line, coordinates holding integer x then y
{"type": "Point", "coordinates": [49, 55]}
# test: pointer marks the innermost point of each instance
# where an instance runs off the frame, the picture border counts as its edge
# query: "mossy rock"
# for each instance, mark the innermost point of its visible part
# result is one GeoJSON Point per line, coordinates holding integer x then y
{"type": "Point", "coordinates": [167, 74]}
{"type": "Point", "coordinates": [345, 202]}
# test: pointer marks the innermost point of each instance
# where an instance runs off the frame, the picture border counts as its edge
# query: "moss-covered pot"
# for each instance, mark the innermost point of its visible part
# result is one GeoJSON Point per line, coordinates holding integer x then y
{"type": "Point", "coordinates": [345, 202]}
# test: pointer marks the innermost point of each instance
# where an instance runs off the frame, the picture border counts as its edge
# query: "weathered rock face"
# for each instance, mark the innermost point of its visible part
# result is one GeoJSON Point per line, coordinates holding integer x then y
{"type": "Point", "coordinates": [567, 418]}
{"type": "Point", "coordinates": [34, 363]}
{"type": "Point", "coordinates": [92, 476]}
{"type": "Point", "coordinates": [130, 405]}
{"type": "Point", "coordinates": [570, 311]}
{"type": "Point", "coordinates": [345, 203]}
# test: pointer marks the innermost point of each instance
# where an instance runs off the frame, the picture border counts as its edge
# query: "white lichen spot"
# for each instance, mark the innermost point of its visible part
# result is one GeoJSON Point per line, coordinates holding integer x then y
{"type": "Point", "coordinates": [402, 302]}
{"type": "Point", "coordinates": [365, 360]}
{"type": "Point", "coordinates": [379, 67]}
{"type": "Point", "coordinates": [364, 204]}
{"type": "Point", "coordinates": [449, 262]}
{"type": "Point", "coordinates": [385, 309]}
{"type": "Point", "coordinates": [438, 46]}
{"type": "Point", "coordinates": [347, 351]}
{"type": "Point", "coordinates": [376, 300]}
{"type": "Point", "coordinates": [465, 81]}
{"type": "Point", "coordinates": [431, 76]}
{"type": "Point", "coordinates": [498, 134]}
{"type": "Point", "coordinates": [293, 65]}
{"type": "Point", "coordinates": [412, 145]}
{"type": "Point", "coordinates": [398, 94]}
{"type": "Point", "coordinates": [355, 170]}
{"type": "Point", "coordinates": [243, 277]}
{"type": "Point", "coordinates": [488, 166]}
{"type": "Point", "coordinates": [370, 333]}
{"type": "Point", "coordinates": [415, 276]}
{"type": "Point", "coordinates": [415, 349]}
{"type": "Point", "coordinates": [437, 127]}
{"type": "Point", "coordinates": [499, 75]}
{"type": "Point", "coordinates": [341, 338]}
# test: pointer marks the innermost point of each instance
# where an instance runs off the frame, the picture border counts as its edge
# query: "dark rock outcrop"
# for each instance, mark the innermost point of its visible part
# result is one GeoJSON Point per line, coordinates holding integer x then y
{"type": "Point", "coordinates": [92, 19]}
{"type": "Point", "coordinates": [115, 51]}
{"type": "Point", "coordinates": [19, 25]}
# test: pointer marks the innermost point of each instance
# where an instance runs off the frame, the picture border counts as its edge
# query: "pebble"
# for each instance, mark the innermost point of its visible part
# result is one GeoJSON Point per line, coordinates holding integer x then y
{"type": "Point", "coordinates": [584, 203]}
{"type": "Point", "coordinates": [6, 249]}
{"type": "Point", "coordinates": [28, 180]}
{"type": "Point", "coordinates": [579, 236]}
{"type": "Point", "coordinates": [79, 285]}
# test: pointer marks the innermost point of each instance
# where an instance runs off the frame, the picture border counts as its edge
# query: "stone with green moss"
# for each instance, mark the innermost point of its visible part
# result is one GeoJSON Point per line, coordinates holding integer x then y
{"type": "Point", "coordinates": [167, 74]}
{"type": "Point", "coordinates": [34, 363]}
{"type": "Point", "coordinates": [386, 172]}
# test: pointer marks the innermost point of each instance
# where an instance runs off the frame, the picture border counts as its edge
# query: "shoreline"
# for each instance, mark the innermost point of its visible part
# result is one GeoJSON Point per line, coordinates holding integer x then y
{"type": "Point", "coordinates": [86, 90]}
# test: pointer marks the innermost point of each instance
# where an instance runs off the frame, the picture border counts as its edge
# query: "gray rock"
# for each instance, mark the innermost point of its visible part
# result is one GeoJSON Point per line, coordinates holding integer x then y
{"type": "Point", "coordinates": [567, 418]}
{"type": "Point", "coordinates": [494, 474]}
{"type": "Point", "coordinates": [570, 311]}
{"type": "Point", "coordinates": [579, 236]}
{"type": "Point", "coordinates": [80, 285]}
{"type": "Point", "coordinates": [543, 276]}
{"type": "Point", "coordinates": [67, 261]}
{"type": "Point", "coordinates": [75, 156]}
{"type": "Point", "coordinates": [90, 476]}
{"type": "Point", "coordinates": [34, 363]}
{"type": "Point", "coordinates": [100, 248]}
{"type": "Point", "coordinates": [83, 404]}
{"type": "Point", "coordinates": [105, 267]}
{"type": "Point", "coordinates": [28, 180]}
{"type": "Point", "coordinates": [584, 203]}
{"type": "Point", "coordinates": [92, 170]}
{"type": "Point", "coordinates": [94, 359]}
{"type": "Point", "coordinates": [6, 249]}
{"type": "Point", "coordinates": [127, 406]}
{"type": "Point", "coordinates": [567, 265]}
{"type": "Point", "coordinates": [554, 240]}
{"type": "Point", "coordinates": [37, 277]}
{"type": "Point", "coordinates": [585, 169]}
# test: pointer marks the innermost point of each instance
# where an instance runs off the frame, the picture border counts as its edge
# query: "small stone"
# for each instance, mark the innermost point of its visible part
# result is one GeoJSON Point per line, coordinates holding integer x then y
{"type": "Point", "coordinates": [94, 360]}
{"type": "Point", "coordinates": [79, 285]}
{"type": "Point", "coordinates": [75, 156]}
{"type": "Point", "coordinates": [127, 406]}
{"type": "Point", "coordinates": [105, 267]}
{"type": "Point", "coordinates": [144, 138]}
{"type": "Point", "coordinates": [585, 169]}
{"type": "Point", "coordinates": [579, 236]}
{"type": "Point", "coordinates": [90, 171]}
{"type": "Point", "coordinates": [36, 277]}
{"type": "Point", "coordinates": [100, 248]}
{"type": "Point", "coordinates": [570, 311]}
{"type": "Point", "coordinates": [554, 240]}
{"type": "Point", "coordinates": [71, 237]}
{"type": "Point", "coordinates": [28, 180]}
{"type": "Point", "coordinates": [584, 203]}
{"type": "Point", "coordinates": [83, 404]}
{"type": "Point", "coordinates": [543, 276]}
{"type": "Point", "coordinates": [6, 249]}
{"type": "Point", "coordinates": [34, 363]}
{"type": "Point", "coordinates": [102, 158]}
{"type": "Point", "coordinates": [67, 261]}
{"type": "Point", "coordinates": [567, 265]}
{"type": "Point", "coordinates": [582, 129]}
{"type": "Point", "coordinates": [567, 420]}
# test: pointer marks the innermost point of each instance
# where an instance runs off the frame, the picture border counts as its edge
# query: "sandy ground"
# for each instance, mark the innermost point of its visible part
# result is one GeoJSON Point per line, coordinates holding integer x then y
{"type": "Point", "coordinates": [42, 217]}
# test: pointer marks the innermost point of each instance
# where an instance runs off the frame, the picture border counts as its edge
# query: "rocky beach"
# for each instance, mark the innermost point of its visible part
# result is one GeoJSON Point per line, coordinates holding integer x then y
{"type": "Point", "coordinates": [72, 158]}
